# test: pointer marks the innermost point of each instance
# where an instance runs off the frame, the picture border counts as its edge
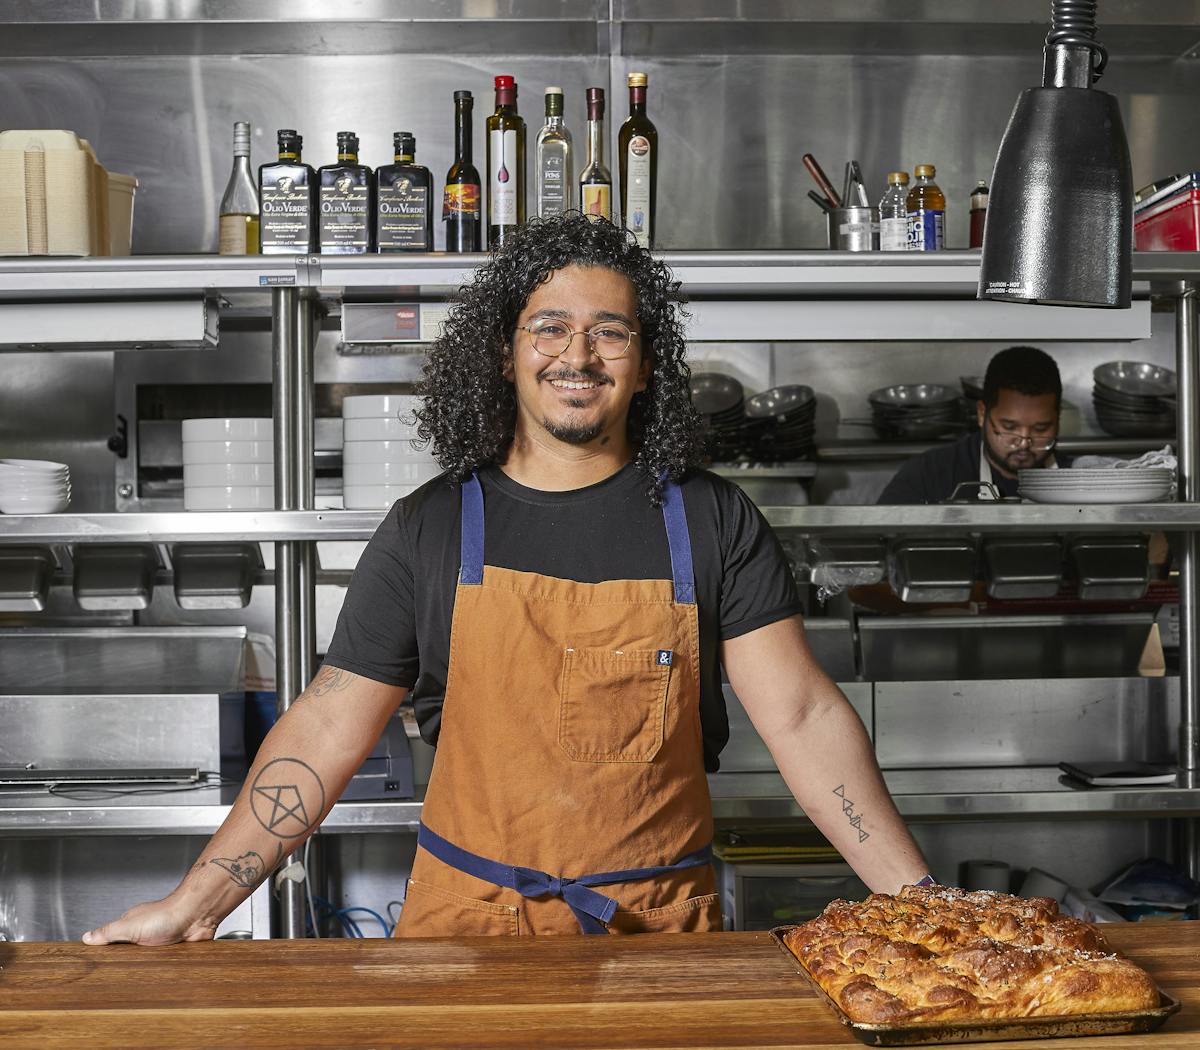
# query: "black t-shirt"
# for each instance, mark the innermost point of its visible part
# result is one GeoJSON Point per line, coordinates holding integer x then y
{"type": "Point", "coordinates": [395, 623]}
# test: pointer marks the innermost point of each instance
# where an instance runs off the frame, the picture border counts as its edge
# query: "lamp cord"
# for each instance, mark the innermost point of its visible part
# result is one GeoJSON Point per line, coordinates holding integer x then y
{"type": "Point", "coordinates": [1073, 24]}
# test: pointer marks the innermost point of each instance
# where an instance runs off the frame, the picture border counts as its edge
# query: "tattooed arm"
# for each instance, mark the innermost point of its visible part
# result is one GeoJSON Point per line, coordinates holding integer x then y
{"type": "Point", "coordinates": [300, 771]}
{"type": "Point", "coordinates": [823, 752]}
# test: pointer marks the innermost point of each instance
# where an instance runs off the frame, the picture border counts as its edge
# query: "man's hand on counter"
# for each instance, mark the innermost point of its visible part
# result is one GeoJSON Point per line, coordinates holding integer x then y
{"type": "Point", "coordinates": [167, 921]}
{"type": "Point", "coordinates": [299, 773]}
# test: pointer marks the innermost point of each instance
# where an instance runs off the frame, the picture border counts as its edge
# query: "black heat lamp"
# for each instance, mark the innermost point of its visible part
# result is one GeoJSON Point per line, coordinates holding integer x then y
{"type": "Point", "coordinates": [1060, 218]}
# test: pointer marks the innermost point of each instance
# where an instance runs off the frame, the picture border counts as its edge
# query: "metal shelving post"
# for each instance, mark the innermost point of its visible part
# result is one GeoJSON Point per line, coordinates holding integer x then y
{"type": "Point", "coordinates": [285, 358]}
{"type": "Point", "coordinates": [1187, 354]}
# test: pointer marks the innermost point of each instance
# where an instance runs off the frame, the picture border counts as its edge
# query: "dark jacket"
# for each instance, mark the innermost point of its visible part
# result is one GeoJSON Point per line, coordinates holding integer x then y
{"type": "Point", "coordinates": [932, 476]}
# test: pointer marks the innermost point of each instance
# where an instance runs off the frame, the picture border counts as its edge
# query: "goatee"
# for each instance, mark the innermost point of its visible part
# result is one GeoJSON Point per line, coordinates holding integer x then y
{"type": "Point", "coordinates": [573, 433]}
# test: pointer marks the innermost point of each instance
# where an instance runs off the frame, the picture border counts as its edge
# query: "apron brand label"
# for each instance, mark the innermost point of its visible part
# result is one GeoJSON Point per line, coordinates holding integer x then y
{"type": "Point", "coordinates": [664, 657]}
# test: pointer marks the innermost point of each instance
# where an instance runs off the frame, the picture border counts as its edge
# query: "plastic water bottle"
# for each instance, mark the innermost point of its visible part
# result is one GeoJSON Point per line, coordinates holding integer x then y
{"type": "Point", "coordinates": [893, 214]}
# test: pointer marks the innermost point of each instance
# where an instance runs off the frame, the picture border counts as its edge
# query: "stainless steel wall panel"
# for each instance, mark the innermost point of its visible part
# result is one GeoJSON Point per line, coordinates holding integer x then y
{"type": "Point", "coordinates": [1030, 722]}
{"type": "Point", "coordinates": [731, 127]}
{"type": "Point", "coordinates": [112, 731]}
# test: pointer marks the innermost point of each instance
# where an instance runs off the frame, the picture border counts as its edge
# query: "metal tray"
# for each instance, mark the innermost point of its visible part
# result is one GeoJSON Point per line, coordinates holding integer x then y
{"type": "Point", "coordinates": [966, 1031]}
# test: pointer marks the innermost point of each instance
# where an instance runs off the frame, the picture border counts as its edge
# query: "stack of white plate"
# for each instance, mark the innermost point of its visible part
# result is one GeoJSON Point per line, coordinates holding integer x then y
{"type": "Point", "coordinates": [1097, 485]}
{"type": "Point", "coordinates": [228, 464]}
{"type": "Point", "coordinates": [379, 463]}
{"type": "Point", "coordinates": [34, 486]}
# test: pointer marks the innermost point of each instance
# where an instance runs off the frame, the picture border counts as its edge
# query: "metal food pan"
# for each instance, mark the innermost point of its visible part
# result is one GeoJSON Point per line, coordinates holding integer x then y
{"type": "Point", "coordinates": [982, 1031]}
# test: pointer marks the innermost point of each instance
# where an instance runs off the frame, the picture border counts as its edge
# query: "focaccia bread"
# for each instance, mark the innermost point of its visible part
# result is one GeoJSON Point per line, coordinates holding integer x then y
{"type": "Point", "coordinates": [937, 954]}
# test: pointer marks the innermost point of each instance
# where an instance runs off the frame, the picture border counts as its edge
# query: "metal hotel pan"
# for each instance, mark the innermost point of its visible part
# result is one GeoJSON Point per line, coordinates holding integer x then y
{"type": "Point", "coordinates": [964, 1031]}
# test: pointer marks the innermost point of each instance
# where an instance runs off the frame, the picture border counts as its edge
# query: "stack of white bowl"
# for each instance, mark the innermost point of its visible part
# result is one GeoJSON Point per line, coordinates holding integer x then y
{"type": "Point", "coordinates": [34, 486]}
{"type": "Point", "coordinates": [228, 464]}
{"type": "Point", "coordinates": [379, 463]}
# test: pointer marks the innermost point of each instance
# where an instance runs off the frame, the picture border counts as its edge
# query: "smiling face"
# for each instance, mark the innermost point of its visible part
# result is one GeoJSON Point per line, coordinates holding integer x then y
{"type": "Point", "coordinates": [578, 399]}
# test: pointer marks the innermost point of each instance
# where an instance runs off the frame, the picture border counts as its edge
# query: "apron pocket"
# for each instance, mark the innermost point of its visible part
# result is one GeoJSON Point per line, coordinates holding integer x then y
{"type": "Point", "coordinates": [612, 705]}
{"type": "Point", "coordinates": [697, 915]}
{"type": "Point", "coordinates": [430, 911]}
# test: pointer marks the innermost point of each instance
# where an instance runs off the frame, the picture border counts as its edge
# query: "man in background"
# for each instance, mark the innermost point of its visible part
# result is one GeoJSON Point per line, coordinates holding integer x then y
{"type": "Point", "coordinates": [1018, 429]}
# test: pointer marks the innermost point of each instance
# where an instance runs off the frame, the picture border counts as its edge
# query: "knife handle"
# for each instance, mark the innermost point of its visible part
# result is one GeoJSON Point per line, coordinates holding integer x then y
{"type": "Point", "coordinates": [823, 183]}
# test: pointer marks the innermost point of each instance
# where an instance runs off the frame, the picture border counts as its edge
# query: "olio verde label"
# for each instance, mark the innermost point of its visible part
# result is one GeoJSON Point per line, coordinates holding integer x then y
{"type": "Point", "coordinates": [402, 215]}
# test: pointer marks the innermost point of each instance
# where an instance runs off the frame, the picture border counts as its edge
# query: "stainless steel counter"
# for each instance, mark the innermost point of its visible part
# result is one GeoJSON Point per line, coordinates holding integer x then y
{"type": "Point", "coordinates": [927, 794]}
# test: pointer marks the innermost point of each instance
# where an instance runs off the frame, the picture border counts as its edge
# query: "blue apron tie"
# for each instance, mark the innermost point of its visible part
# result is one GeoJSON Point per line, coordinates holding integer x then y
{"type": "Point", "coordinates": [591, 909]}
{"type": "Point", "coordinates": [470, 573]}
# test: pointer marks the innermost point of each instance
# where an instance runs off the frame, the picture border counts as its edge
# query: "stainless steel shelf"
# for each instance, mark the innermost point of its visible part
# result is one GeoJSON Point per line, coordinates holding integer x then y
{"type": "Point", "coordinates": [856, 275]}
{"type": "Point", "coordinates": [190, 526]}
{"type": "Point", "coordinates": [1030, 793]}
{"type": "Point", "coordinates": [975, 517]}
{"type": "Point", "coordinates": [298, 525]}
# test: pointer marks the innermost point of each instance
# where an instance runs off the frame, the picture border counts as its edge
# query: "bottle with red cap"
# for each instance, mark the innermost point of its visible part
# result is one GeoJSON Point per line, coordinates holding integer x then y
{"type": "Point", "coordinates": [505, 164]}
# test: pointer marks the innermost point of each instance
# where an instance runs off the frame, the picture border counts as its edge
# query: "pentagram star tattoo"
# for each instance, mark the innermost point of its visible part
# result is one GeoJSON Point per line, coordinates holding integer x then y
{"type": "Point", "coordinates": [245, 870]}
{"type": "Point", "coordinates": [287, 798]}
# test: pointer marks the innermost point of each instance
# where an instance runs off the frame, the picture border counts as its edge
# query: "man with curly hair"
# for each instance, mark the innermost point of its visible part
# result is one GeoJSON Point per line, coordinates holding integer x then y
{"type": "Point", "coordinates": [561, 602]}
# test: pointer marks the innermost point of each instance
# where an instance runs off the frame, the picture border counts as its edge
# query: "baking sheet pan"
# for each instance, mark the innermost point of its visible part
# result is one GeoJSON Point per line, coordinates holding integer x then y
{"type": "Point", "coordinates": [966, 1031]}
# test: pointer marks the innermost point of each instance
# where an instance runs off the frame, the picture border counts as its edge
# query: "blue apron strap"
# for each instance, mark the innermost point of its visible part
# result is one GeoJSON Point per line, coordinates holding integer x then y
{"type": "Point", "coordinates": [680, 542]}
{"type": "Point", "coordinates": [471, 570]}
{"type": "Point", "coordinates": [591, 909]}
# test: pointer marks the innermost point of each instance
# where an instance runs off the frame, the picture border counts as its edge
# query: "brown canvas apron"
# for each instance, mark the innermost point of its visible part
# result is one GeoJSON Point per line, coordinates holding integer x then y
{"type": "Point", "coordinates": [568, 792]}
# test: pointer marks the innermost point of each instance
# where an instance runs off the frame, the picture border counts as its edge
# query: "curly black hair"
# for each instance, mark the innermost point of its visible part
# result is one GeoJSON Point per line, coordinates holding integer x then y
{"type": "Point", "coordinates": [469, 410]}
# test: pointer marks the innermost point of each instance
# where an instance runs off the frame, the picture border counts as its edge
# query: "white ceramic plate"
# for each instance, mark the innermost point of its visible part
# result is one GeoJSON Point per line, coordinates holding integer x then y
{"type": "Point", "coordinates": [378, 406]}
{"type": "Point", "coordinates": [356, 474]}
{"type": "Point", "coordinates": [33, 504]}
{"type": "Point", "coordinates": [228, 452]}
{"type": "Point", "coordinates": [1149, 494]}
{"type": "Point", "coordinates": [384, 452]}
{"type": "Point", "coordinates": [206, 475]}
{"type": "Point", "coordinates": [375, 429]}
{"type": "Point", "coordinates": [230, 497]}
{"type": "Point", "coordinates": [228, 429]}
{"type": "Point", "coordinates": [41, 466]}
{"type": "Point", "coordinates": [374, 497]}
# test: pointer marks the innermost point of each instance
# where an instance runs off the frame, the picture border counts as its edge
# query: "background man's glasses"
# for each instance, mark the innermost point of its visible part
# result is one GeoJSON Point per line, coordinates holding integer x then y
{"type": "Point", "coordinates": [608, 339]}
{"type": "Point", "coordinates": [1012, 441]}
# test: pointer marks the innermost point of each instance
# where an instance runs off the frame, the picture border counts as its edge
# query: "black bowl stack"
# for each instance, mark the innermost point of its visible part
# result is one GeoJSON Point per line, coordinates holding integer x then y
{"type": "Point", "coordinates": [915, 411]}
{"type": "Point", "coordinates": [1134, 399]}
{"type": "Point", "coordinates": [720, 400]}
{"type": "Point", "coordinates": [781, 424]}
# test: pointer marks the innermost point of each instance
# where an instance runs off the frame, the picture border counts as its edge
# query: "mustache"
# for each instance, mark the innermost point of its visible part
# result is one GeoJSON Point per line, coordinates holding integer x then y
{"type": "Point", "coordinates": [570, 375]}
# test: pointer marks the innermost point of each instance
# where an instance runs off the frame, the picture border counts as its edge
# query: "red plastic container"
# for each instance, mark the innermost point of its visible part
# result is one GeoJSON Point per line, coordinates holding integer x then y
{"type": "Point", "coordinates": [1169, 220]}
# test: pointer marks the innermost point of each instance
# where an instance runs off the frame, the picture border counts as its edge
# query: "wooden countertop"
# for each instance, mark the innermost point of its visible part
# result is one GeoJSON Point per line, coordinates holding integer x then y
{"type": "Point", "coordinates": [661, 991]}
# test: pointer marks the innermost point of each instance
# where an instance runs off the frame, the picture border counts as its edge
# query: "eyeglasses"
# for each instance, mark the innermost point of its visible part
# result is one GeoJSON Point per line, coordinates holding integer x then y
{"type": "Point", "coordinates": [608, 340]}
{"type": "Point", "coordinates": [1010, 440]}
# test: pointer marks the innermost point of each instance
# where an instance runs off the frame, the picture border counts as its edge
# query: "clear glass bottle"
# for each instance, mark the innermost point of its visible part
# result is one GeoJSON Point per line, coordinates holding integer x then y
{"type": "Point", "coordinates": [926, 212]}
{"type": "Point", "coordinates": [893, 214]}
{"type": "Point", "coordinates": [239, 206]}
{"type": "Point", "coordinates": [595, 182]}
{"type": "Point", "coordinates": [505, 164]}
{"type": "Point", "coordinates": [288, 199]}
{"type": "Point", "coordinates": [637, 151]}
{"type": "Point", "coordinates": [555, 172]}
